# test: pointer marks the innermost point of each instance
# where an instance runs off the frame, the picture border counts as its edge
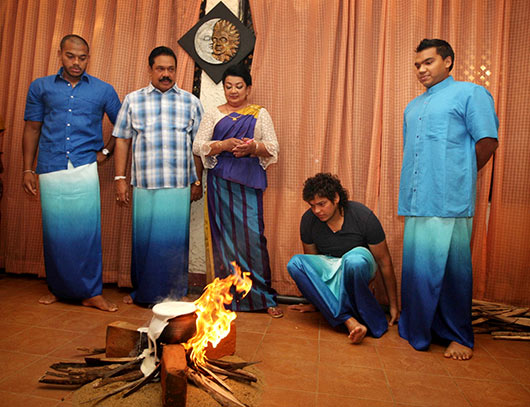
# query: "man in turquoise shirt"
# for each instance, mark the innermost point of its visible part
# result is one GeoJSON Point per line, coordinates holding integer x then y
{"type": "Point", "coordinates": [449, 132]}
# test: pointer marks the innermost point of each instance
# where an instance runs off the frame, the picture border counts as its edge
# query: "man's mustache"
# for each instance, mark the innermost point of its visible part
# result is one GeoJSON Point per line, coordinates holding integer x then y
{"type": "Point", "coordinates": [165, 78]}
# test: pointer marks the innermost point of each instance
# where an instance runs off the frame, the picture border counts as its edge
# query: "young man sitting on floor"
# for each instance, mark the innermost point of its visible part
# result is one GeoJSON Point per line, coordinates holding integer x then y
{"type": "Point", "coordinates": [343, 243]}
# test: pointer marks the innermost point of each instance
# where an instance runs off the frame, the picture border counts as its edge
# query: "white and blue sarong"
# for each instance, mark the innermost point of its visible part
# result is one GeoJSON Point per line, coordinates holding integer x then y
{"type": "Point", "coordinates": [437, 281]}
{"type": "Point", "coordinates": [340, 287]}
{"type": "Point", "coordinates": [71, 226]}
{"type": "Point", "coordinates": [160, 247]}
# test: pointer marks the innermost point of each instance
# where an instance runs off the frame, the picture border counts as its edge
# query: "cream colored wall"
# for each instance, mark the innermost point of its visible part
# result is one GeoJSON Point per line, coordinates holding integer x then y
{"type": "Point", "coordinates": [211, 95]}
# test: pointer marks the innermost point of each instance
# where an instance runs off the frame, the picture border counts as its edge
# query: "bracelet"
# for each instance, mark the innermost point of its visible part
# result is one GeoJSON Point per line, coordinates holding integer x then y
{"type": "Point", "coordinates": [23, 172]}
{"type": "Point", "coordinates": [118, 177]}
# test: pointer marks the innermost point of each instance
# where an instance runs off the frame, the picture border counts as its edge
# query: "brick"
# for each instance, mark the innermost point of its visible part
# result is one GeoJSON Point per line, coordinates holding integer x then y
{"type": "Point", "coordinates": [173, 376]}
{"type": "Point", "coordinates": [226, 347]}
{"type": "Point", "coordinates": [122, 339]}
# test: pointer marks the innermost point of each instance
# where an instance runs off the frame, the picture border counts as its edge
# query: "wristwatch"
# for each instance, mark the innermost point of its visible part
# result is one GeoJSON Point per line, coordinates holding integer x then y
{"type": "Point", "coordinates": [197, 183]}
{"type": "Point", "coordinates": [105, 152]}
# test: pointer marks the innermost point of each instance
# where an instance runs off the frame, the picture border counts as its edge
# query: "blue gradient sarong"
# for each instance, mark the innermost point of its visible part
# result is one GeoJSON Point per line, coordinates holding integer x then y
{"type": "Point", "coordinates": [339, 287]}
{"type": "Point", "coordinates": [71, 226]}
{"type": "Point", "coordinates": [236, 222]}
{"type": "Point", "coordinates": [160, 247]}
{"type": "Point", "coordinates": [436, 286]}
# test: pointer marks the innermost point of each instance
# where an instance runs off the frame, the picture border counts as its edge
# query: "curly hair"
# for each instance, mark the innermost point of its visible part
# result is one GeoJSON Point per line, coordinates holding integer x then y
{"type": "Point", "coordinates": [327, 186]}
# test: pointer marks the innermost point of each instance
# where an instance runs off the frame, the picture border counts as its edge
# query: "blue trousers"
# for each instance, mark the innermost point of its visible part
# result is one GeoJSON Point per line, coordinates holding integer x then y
{"type": "Point", "coordinates": [339, 287]}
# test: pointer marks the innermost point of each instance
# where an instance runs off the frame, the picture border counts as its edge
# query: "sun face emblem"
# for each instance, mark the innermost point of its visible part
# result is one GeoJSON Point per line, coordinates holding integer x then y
{"type": "Point", "coordinates": [225, 41]}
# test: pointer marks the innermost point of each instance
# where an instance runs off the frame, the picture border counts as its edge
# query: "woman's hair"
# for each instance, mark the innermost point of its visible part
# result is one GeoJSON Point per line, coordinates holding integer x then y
{"type": "Point", "coordinates": [327, 186]}
{"type": "Point", "coordinates": [238, 70]}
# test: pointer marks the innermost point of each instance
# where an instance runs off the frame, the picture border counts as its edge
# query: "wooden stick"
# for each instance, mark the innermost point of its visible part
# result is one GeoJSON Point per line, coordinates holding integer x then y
{"type": "Point", "coordinates": [237, 374]}
{"type": "Point", "coordinates": [224, 364]}
{"type": "Point", "coordinates": [512, 338]}
{"type": "Point", "coordinates": [217, 392]}
{"type": "Point", "coordinates": [127, 377]}
{"type": "Point", "coordinates": [142, 382]}
{"type": "Point", "coordinates": [112, 392]}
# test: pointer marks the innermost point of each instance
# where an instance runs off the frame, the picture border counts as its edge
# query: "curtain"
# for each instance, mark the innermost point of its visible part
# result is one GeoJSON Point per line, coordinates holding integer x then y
{"type": "Point", "coordinates": [336, 77]}
{"type": "Point", "coordinates": [121, 34]}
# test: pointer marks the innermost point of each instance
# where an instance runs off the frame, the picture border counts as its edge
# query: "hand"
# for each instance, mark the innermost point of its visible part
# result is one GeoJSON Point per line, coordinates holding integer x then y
{"type": "Point", "coordinates": [247, 147]}
{"type": "Point", "coordinates": [122, 192]}
{"type": "Point", "coordinates": [230, 143]}
{"type": "Point", "coordinates": [30, 183]}
{"type": "Point", "coordinates": [394, 315]}
{"type": "Point", "coordinates": [196, 192]}
{"type": "Point", "coordinates": [101, 157]}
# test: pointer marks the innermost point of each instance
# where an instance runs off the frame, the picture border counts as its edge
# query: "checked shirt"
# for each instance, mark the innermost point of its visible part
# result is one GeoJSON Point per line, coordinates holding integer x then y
{"type": "Point", "coordinates": [162, 127]}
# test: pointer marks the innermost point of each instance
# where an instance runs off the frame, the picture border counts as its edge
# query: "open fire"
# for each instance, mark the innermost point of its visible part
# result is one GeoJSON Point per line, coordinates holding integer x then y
{"type": "Point", "coordinates": [125, 351]}
{"type": "Point", "coordinates": [213, 319]}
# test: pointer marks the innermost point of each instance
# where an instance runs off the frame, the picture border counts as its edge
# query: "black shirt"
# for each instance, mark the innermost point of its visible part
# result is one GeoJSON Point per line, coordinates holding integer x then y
{"type": "Point", "coordinates": [360, 228]}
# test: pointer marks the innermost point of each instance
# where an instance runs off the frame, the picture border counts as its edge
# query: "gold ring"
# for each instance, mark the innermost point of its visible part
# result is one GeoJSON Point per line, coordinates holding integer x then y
{"type": "Point", "coordinates": [117, 199]}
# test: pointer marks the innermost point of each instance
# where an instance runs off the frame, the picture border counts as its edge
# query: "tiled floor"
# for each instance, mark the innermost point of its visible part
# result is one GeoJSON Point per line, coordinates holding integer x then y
{"type": "Point", "coordinates": [304, 361]}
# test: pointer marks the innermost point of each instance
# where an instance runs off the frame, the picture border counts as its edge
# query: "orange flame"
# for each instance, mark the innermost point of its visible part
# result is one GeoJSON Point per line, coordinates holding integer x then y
{"type": "Point", "coordinates": [213, 320]}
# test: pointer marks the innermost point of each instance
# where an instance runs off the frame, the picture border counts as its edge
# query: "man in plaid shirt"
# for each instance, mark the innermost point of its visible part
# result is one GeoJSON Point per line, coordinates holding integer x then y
{"type": "Point", "coordinates": [160, 121]}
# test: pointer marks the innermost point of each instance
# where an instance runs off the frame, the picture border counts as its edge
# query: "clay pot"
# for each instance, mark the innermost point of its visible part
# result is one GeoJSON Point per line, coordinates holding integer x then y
{"type": "Point", "coordinates": [179, 329]}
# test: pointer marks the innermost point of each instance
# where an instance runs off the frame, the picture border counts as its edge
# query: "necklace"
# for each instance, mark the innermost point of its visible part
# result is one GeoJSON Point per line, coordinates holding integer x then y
{"type": "Point", "coordinates": [235, 118]}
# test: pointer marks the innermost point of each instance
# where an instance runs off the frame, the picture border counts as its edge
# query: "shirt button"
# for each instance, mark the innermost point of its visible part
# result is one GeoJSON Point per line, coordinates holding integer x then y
{"type": "Point", "coordinates": [67, 124]}
{"type": "Point", "coordinates": [69, 110]}
{"type": "Point", "coordinates": [68, 84]}
{"type": "Point", "coordinates": [419, 118]}
{"type": "Point", "coordinates": [67, 138]}
{"type": "Point", "coordinates": [71, 97]}
{"type": "Point", "coordinates": [68, 152]}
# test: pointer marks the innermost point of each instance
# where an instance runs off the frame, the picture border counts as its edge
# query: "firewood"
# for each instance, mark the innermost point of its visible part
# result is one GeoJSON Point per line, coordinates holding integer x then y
{"type": "Point", "coordinates": [127, 377]}
{"type": "Point", "coordinates": [91, 351]}
{"type": "Point", "coordinates": [510, 333]}
{"type": "Point", "coordinates": [237, 374]}
{"type": "Point", "coordinates": [102, 360]}
{"type": "Point", "coordinates": [512, 337]}
{"type": "Point", "coordinates": [216, 378]}
{"type": "Point", "coordinates": [112, 392]}
{"type": "Point", "coordinates": [227, 365]}
{"type": "Point", "coordinates": [142, 382]}
{"type": "Point", "coordinates": [222, 396]}
{"type": "Point", "coordinates": [63, 380]}
{"type": "Point", "coordinates": [132, 365]}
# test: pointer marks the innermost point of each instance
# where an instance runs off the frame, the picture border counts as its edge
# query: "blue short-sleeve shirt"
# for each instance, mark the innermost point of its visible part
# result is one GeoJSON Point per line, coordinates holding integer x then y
{"type": "Point", "coordinates": [440, 130]}
{"type": "Point", "coordinates": [71, 119]}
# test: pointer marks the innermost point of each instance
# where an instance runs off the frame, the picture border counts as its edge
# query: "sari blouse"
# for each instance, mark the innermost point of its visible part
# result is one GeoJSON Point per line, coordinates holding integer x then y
{"type": "Point", "coordinates": [263, 132]}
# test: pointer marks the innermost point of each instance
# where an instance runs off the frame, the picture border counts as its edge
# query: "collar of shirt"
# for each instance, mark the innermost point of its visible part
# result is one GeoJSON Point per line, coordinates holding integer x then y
{"type": "Point", "coordinates": [151, 88]}
{"type": "Point", "coordinates": [85, 77]}
{"type": "Point", "coordinates": [441, 85]}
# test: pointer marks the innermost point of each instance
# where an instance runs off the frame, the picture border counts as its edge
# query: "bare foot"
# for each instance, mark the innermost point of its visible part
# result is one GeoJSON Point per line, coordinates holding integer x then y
{"type": "Point", "coordinates": [48, 299]}
{"type": "Point", "coordinates": [100, 302]}
{"type": "Point", "coordinates": [357, 330]}
{"type": "Point", "coordinates": [302, 307]}
{"type": "Point", "coordinates": [127, 299]}
{"type": "Point", "coordinates": [458, 351]}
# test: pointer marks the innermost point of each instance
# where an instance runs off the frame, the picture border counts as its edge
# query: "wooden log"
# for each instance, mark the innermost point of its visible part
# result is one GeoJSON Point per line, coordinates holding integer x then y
{"type": "Point", "coordinates": [513, 338]}
{"type": "Point", "coordinates": [222, 396]}
{"type": "Point", "coordinates": [236, 374]}
{"type": "Point", "coordinates": [510, 333]}
{"type": "Point", "coordinates": [173, 376]}
{"type": "Point", "coordinates": [127, 377]}
{"type": "Point", "coordinates": [123, 339]}
{"type": "Point", "coordinates": [227, 365]}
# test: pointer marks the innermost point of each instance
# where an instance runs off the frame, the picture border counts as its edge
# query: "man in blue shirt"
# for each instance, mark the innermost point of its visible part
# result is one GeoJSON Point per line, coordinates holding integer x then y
{"type": "Point", "coordinates": [160, 121]}
{"type": "Point", "coordinates": [64, 114]}
{"type": "Point", "coordinates": [450, 132]}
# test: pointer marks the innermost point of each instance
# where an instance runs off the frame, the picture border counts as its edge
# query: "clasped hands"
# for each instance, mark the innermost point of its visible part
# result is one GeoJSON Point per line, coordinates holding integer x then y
{"type": "Point", "coordinates": [240, 147]}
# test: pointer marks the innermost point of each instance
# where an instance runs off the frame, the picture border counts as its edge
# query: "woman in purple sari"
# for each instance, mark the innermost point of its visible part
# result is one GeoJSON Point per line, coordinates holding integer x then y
{"type": "Point", "coordinates": [236, 142]}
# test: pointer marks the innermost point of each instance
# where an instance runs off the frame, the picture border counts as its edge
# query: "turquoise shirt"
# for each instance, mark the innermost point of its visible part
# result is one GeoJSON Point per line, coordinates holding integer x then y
{"type": "Point", "coordinates": [440, 130]}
